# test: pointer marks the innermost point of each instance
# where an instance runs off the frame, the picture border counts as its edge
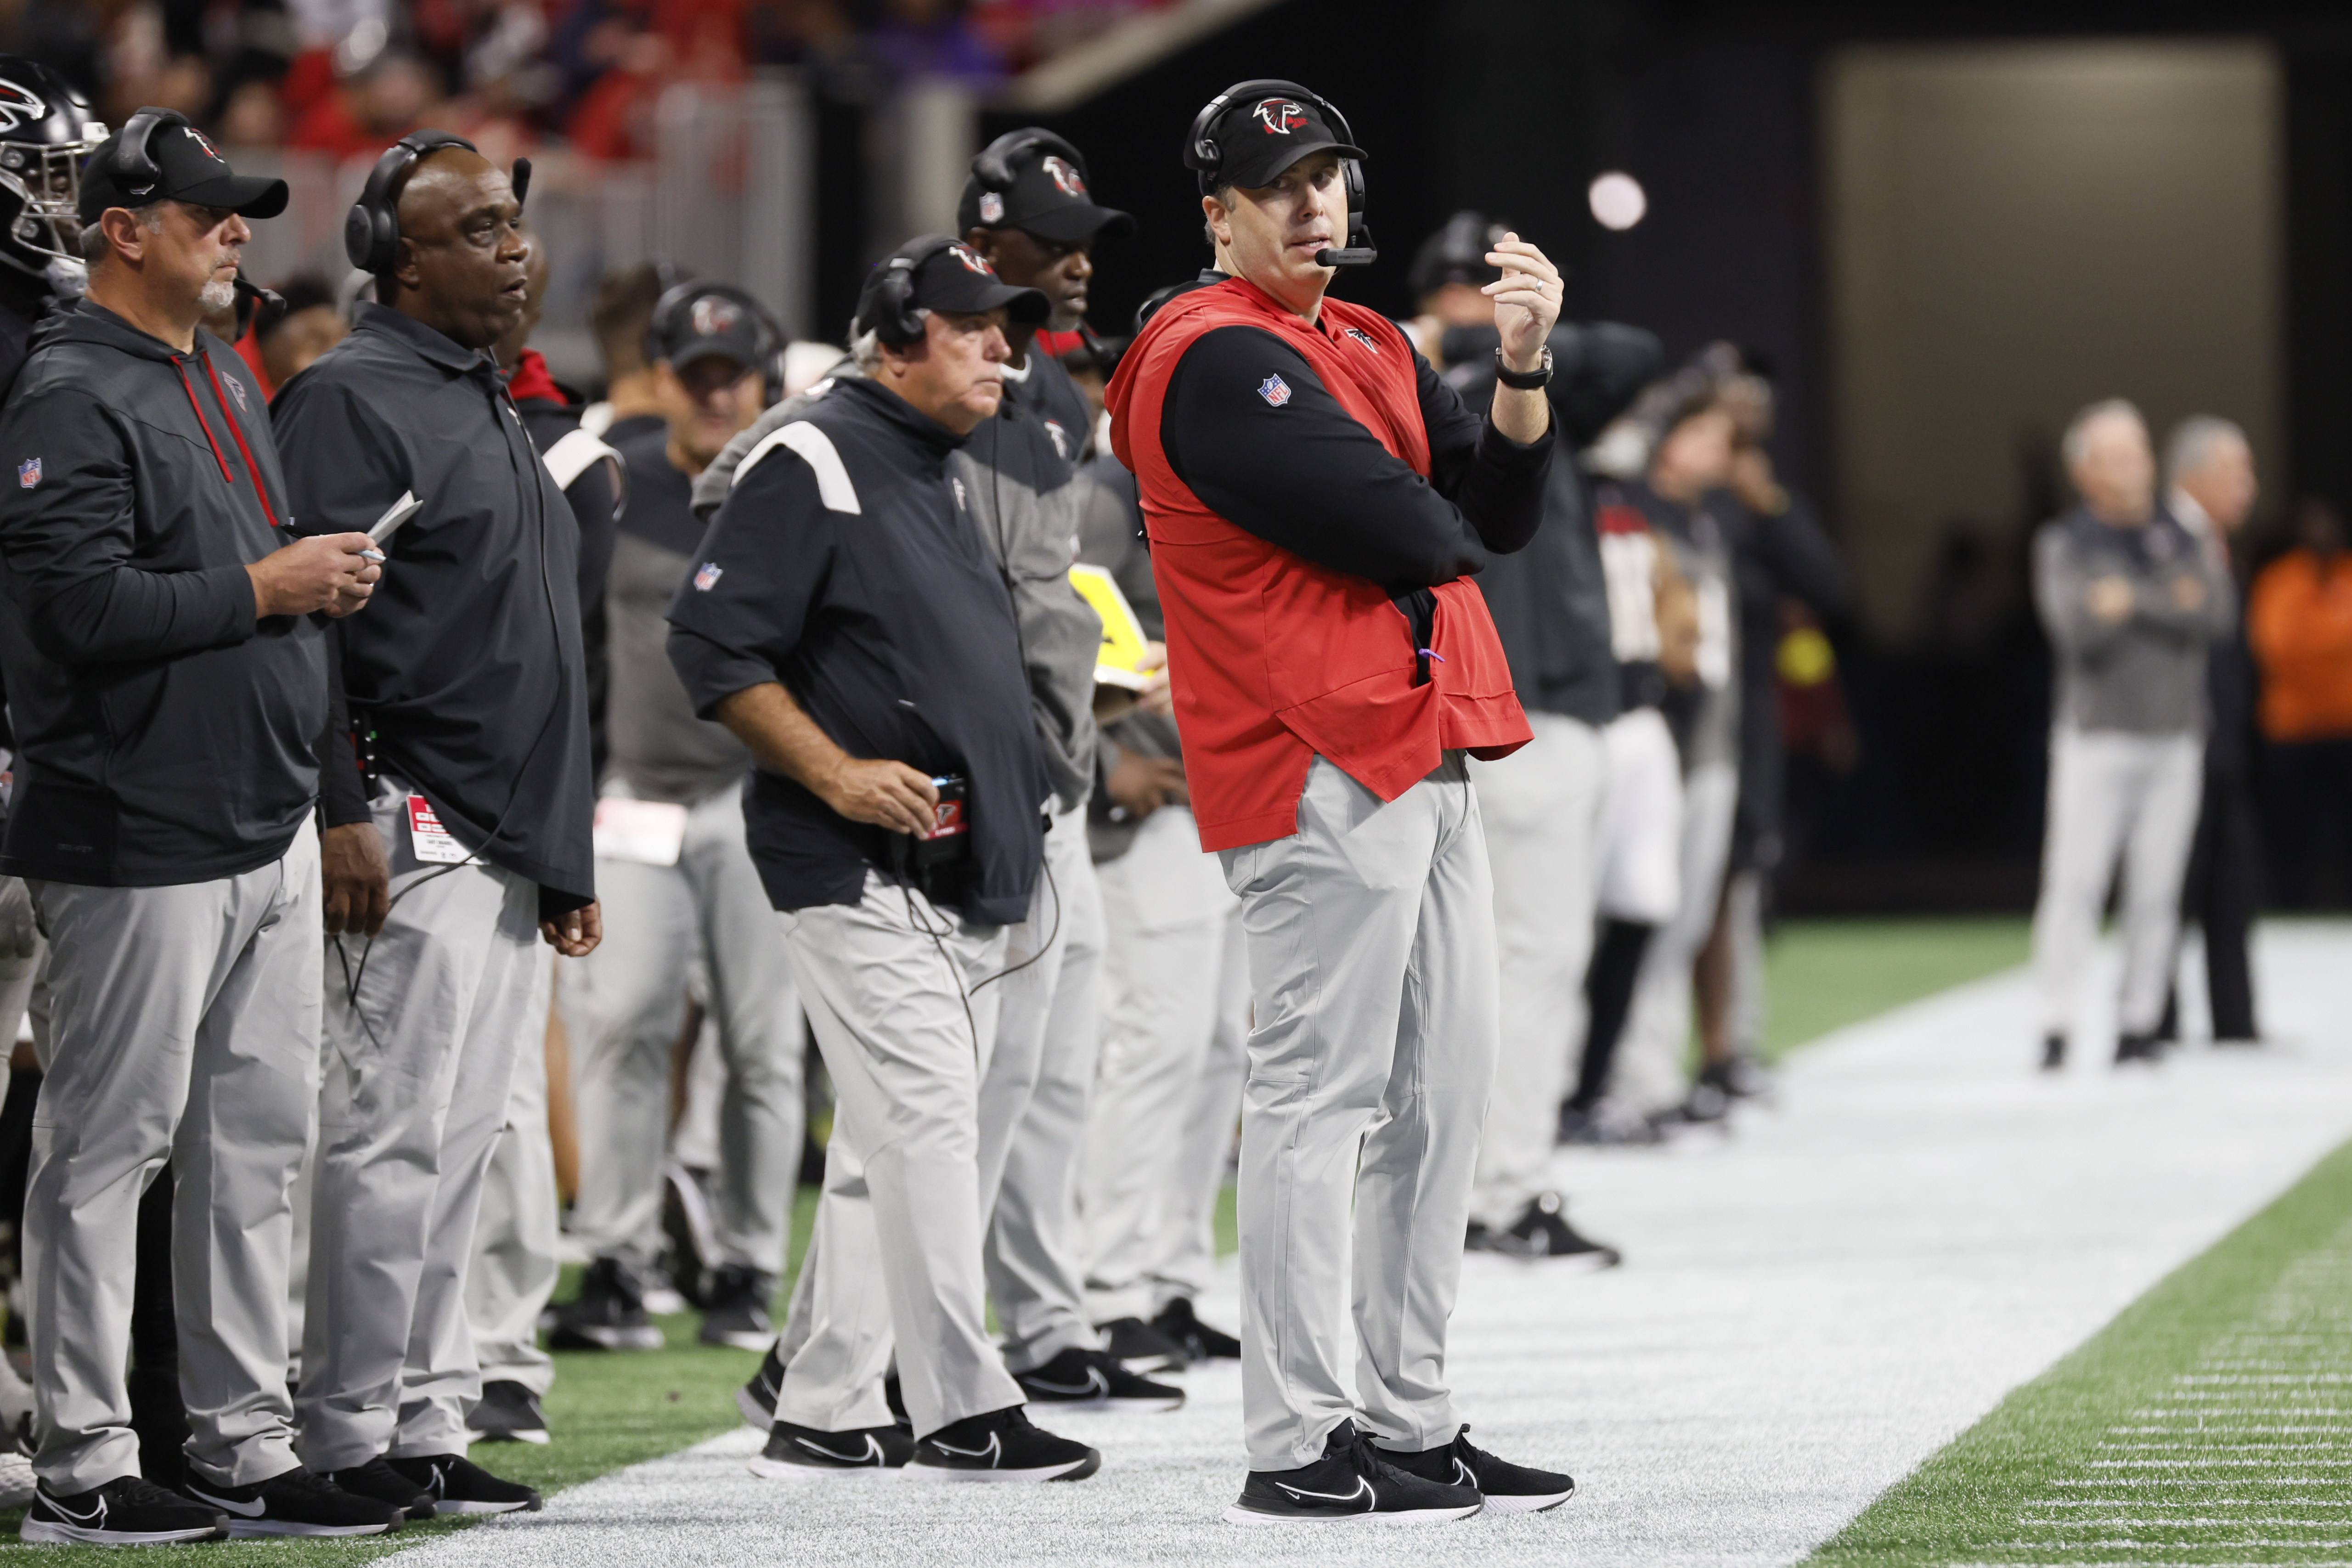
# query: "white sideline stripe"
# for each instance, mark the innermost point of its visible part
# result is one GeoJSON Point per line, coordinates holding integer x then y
{"type": "Point", "coordinates": [815, 448]}
{"type": "Point", "coordinates": [1813, 1305]}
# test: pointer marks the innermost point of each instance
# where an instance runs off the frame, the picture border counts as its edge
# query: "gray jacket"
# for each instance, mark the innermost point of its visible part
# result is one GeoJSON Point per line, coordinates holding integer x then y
{"type": "Point", "coordinates": [2143, 675]}
{"type": "Point", "coordinates": [1022, 491]}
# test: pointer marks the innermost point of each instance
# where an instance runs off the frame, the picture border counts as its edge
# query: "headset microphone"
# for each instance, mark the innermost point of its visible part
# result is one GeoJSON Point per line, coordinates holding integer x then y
{"type": "Point", "coordinates": [266, 304]}
{"type": "Point", "coordinates": [1352, 256]}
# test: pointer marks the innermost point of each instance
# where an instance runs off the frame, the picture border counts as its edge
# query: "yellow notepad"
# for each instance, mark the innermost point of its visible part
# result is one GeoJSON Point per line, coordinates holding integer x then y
{"type": "Point", "coordinates": [1119, 662]}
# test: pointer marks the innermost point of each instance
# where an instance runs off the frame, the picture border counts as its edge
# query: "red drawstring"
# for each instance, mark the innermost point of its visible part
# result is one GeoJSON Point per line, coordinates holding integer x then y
{"type": "Point", "coordinates": [190, 388]}
{"type": "Point", "coordinates": [243, 450]}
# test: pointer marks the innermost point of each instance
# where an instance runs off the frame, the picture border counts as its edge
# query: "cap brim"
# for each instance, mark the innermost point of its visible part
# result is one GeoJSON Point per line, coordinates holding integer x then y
{"type": "Point", "coordinates": [248, 195]}
{"type": "Point", "coordinates": [1261, 177]}
{"type": "Point", "coordinates": [1028, 307]}
{"type": "Point", "coordinates": [1078, 221]}
{"type": "Point", "coordinates": [694, 352]}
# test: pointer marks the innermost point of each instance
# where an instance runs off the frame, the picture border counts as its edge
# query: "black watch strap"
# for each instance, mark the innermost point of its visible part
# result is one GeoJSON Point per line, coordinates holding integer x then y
{"type": "Point", "coordinates": [1527, 380]}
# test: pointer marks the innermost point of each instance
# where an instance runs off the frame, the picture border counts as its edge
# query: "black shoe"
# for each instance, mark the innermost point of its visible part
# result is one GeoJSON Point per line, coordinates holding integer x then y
{"type": "Point", "coordinates": [1141, 1346]}
{"type": "Point", "coordinates": [2132, 1048]}
{"type": "Point", "coordinates": [1000, 1446]}
{"type": "Point", "coordinates": [1741, 1076]}
{"type": "Point", "coordinates": [1095, 1380]}
{"type": "Point", "coordinates": [757, 1399]}
{"type": "Point", "coordinates": [297, 1502]}
{"type": "Point", "coordinates": [2053, 1052]}
{"type": "Point", "coordinates": [458, 1485]}
{"type": "Point", "coordinates": [609, 1313]}
{"type": "Point", "coordinates": [1507, 1487]}
{"type": "Point", "coordinates": [793, 1451]}
{"type": "Point", "coordinates": [129, 1511]}
{"type": "Point", "coordinates": [378, 1480]}
{"type": "Point", "coordinates": [1351, 1481]}
{"type": "Point", "coordinates": [509, 1413]}
{"type": "Point", "coordinates": [735, 1308]}
{"type": "Point", "coordinates": [1200, 1342]}
{"type": "Point", "coordinates": [1542, 1231]}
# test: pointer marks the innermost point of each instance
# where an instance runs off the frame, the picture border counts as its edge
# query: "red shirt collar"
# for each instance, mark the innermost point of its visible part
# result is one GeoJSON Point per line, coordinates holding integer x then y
{"type": "Point", "coordinates": [530, 380]}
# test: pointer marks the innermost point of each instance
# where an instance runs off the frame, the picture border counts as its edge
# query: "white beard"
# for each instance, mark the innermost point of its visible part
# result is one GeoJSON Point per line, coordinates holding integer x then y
{"type": "Point", "coordinates": [219, 296]}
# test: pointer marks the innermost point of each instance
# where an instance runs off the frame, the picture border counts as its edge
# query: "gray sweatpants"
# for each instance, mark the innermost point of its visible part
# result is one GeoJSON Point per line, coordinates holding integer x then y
{"type": "Point", "coordinates": [1653, 1072]}
{"type": "Point", "coordinates": [1371, 960]}
{"type": "Point", "coordinates": [1542, 807]}
{"type": "Point", "coordinates": [515, 1262]}
{"type": "Point", "coordinates": [1169, 1089]}
{"type": "Point", "coordinates": [2115, 796]}
{"type": "Point", "coordinates": [658, 919]}
{"type": "Point", "coordinates": [183, 1025]}
{"type": "Point", "coordinates": [896, 1257]}
{"type": "Point", "coordinates": [425, 1022]}
{"type": "Point", "coordinates": [1032, 1105]}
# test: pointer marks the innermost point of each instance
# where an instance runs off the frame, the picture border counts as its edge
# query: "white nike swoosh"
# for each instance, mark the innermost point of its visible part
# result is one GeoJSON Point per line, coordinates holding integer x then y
{"type": "Point", "coordinates": [1462, 1478]}
{"type": "Point", "coordinates": [249, 1509]}
{"type": "Point", "coordinates": [92, 1520]}
{"type": "Point", "coordinates": [992, 1453]}
{"type": "Point", "coordinates": [1363, 1494]}
{"type": "Point", "coordinates": [872, 1456]}
{"type": "Point", "coordinates": [1095, 1384]}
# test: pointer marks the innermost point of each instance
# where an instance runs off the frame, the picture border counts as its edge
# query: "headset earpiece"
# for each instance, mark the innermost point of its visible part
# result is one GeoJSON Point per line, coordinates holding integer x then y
{"type": "Point", "coordinates": [1203, 155]}
{"type": "Point", "coordinates": [133, 163]}
{"type": "Point", "coordinates": [900, 323]}
{"type": "Point", "coordinates": [992, 164]}
{"type": "Point", "coordinates": [371, 228]}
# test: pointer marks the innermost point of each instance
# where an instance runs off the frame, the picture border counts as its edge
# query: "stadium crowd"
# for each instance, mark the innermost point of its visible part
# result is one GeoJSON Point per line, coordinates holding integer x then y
{"type": "Point", "coordinates": [889, 693]}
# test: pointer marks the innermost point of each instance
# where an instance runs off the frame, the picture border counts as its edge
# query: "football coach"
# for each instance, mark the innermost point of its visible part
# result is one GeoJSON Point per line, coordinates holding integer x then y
{"type": "Point", "coordinates": [1315, 496]}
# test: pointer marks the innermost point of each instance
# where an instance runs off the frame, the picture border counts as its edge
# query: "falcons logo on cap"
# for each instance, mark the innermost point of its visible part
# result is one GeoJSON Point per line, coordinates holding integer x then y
{"type": "Point", "coordinates": [1066, 180]}
{"type": "Point", "coordinates": [201, 140]}
{"type": "Point", "coordinates": [1280, 116]}
{"type": "Point", "coordinates": [970, 259]}
{"type": "Point", "coordinates": [19, 107]}
{"type": "Point", "coordinates": [715, 316]}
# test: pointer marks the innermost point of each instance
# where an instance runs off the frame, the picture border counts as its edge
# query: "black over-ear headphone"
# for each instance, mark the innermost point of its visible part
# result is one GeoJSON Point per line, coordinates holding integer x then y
{"type": "Point", "coordinates": [135, 168]}
{"type": "Point", "coordinates": [1203, 155]}
{"type": "Point", "coordinates": [371, 228]}
{"type": "Point", "coordinates": [679, 297]}
{"type": "Point", "coordinates": [992, 164]}
{"type": "Point", "coordinates": [896, 321]}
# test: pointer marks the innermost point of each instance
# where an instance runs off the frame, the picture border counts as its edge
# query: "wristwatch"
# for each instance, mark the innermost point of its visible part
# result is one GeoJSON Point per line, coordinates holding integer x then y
{"type": "Point", "coordinates": [1522, 380]}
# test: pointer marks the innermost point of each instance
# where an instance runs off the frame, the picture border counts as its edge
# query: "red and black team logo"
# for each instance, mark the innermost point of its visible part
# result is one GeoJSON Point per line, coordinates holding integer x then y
{"type": "Point", "coordinates": [20, 107]}
{"type": "Point", "coordinates": [970, 259]}
{"type": "Point", "coordinates": [714, 316]}
{"type": "Point", "coordinates": [1066, 180]}
{"type": "Point", "coordinates": [201, 140]}
{"type": "Point", "coordinates": [1280, 116]}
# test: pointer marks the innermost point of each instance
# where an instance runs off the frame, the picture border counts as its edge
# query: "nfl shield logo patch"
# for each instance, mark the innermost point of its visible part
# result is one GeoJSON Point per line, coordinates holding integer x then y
{"type": "Point", "coordinates": [1275, 390]}
{"type": "Point", "coordinates": [28, 473]}
{"type": "Point", "coordinates": [708, 577]}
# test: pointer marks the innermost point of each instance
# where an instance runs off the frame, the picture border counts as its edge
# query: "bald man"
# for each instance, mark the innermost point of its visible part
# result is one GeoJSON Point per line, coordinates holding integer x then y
{"type": "Point", "coordinates": [457, 830]}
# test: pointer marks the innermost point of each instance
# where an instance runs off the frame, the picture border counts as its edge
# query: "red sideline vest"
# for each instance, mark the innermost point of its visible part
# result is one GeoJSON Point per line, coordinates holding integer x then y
{"type": "Point", "coordinates": [1271, 657]}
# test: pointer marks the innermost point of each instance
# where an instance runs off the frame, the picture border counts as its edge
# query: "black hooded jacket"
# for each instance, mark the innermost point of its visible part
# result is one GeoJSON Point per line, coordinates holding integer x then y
{"type": "Point", "coordinates": [165, 735]}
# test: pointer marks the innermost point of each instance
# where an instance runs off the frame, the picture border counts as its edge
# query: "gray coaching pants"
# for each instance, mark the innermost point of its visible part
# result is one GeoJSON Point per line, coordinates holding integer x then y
{"type": "Point", "coordinates": [1372, 975]}
{"type": "Point", "coordinates": [183, 1025]}
{"type": "Point", "coordinates": [515, 1263]}
{"type": "Point", "coordinates": [895, 1256]}
{"type": "Point", "coordinates": [658, 919]}
{"type": "Point", "coordinates": [419, 1069]}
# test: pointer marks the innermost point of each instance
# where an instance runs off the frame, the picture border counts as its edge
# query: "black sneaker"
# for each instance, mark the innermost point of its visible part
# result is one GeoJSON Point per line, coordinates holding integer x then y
{"type": "Point", "coordinates": [1095, 1380]}
{"type": "Point", "coordinates": [508, 1413]}
{"type": "Point", "coordinates": [1741, 1076]}
{"type": "Point", "coordinates": [2053, 1052]}
{"type": "Point", "coordinates": [297, 1502]}
{"type": "Point", "coordinates": [1507, 1487]}
{"type": "Point", "coordinates": [1199, 1342]}
{"type": "Point", "coordinates": [1141, 1346]}
{"type": "Point", "coordinates": [609, 1313]}
{"type": "Point", "coordinates": [378, 1480]}
{"type": "Point", "coordinates": [794, 1451]}
{"type": "Point", "coordinates": [129, 1511]}
{"type": "Point", "coordinates": [1000, 1446]}
{"type": "Point", "coordinates": [735, 1308]}
{"type": "Point", "coordinates": [2131, 1048]}
{"type": "Point", "coordinates": [458, 1485]}
{"type": "Point", "coordinates": [1542, 1231]}
{"type": "Point", "coordinates": [757, 1399]}
{"type": "Point", "coordinates": [1351, 1481]}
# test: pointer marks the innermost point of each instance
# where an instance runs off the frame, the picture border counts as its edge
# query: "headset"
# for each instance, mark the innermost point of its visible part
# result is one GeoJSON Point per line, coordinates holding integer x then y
{"type": "Point", "coordinates": [138, 174]}
{"type": "Point", "coordinates": [899, 321]}
{"type": "Point", "coordinates": [992, 164]}
{"type": "Point", "coordinates": [678, 297]}
{"type": "Point", "coordinates": [1203, 155]}
{"type": "Point", "coordinates": [371, 228]}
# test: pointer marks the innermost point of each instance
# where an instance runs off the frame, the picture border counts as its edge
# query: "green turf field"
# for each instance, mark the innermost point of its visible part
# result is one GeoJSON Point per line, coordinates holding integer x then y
{"type": "Point", "coordinates": [2211, 1423]}
{"type": "Point", "coordinates": [609, 1411]}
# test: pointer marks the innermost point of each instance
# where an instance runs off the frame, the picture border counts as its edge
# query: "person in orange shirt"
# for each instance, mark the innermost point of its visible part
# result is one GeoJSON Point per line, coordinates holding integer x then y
{"type": "Point", "coordinates": [2299, 620]}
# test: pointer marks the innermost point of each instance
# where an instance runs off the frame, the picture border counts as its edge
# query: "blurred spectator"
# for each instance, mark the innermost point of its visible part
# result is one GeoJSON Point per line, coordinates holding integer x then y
{"type": "Point", "coordinates": [2299, 620]}
{"type": "Point", "coordinates": [253, 116]}
{"type": "Point", "coordinates": [278, 350]}
{"type": "Point", "coordinates": [931, 38]}
{"type": "Point", "coordinates": [386, 98]}
{"type": "Point", "coordinates": [625, 298]}
{"type": "Point", "coordinates": [679, 41]}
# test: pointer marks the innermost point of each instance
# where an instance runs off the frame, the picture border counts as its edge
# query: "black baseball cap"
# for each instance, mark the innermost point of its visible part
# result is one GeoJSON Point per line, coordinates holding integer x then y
{"type": "Point", "coordinates": [952, 277]}
{"type": "Point", "coordinates": [1048, 197]}
{"type": "Point", "coordinates": [707, 321]}
{"type": "Point", "coordinates": [1260, 136]}
{"type": "Point", "coordinates": [193, 171]}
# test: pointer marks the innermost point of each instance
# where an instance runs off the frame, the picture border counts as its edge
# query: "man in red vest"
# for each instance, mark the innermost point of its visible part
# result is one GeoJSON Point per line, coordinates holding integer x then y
{"type": "Point", "coordinates": [1316, 497]}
